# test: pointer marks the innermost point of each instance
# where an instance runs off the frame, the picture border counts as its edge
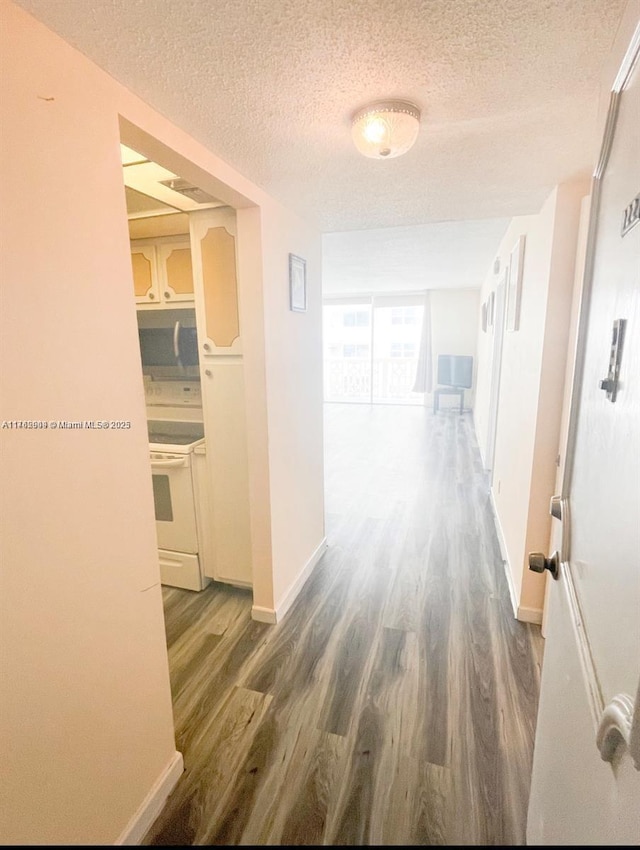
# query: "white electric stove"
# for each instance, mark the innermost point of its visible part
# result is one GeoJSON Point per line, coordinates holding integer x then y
{"type": "Point", "coordinates": [177, 454]}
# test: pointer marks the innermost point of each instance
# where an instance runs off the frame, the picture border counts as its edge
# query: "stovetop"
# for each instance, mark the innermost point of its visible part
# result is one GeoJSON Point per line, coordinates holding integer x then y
{"type": "Point", "coordinates": [174, 435]}
{"type": "Point", "coordinates": [174, 415]}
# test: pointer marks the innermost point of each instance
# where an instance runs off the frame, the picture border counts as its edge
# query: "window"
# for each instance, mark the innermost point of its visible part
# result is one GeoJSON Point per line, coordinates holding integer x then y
{"type": "Point", "coordinates": [371, 346]}
{"type": "Point", "coordinates": [403, 349]}
{"type": "Point", "coordinates": [405, 315]}
{"type": "Point", "coordinates": [356, 318]}
{"type": "Point", "coordinates": [352, 350]}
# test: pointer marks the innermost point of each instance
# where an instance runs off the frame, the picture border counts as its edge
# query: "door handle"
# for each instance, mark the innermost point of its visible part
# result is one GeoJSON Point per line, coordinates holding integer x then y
{"type": "Point", "coordinates": [176, 343]}
{"type": "Point", "coordinates": [173, 463]}
{"type": "Point", "coordinates": [539, 563]}
{"type": "Point", "coordinates": [619, 726]}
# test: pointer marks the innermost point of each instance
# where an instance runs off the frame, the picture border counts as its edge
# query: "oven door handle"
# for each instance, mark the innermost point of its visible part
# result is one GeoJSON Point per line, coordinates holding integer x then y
{"type": "Point", "coordinates": [174, 463]}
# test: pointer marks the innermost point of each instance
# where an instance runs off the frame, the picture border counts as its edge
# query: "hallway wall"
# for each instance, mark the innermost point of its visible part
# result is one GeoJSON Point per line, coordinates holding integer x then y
{"type": "Point", "coordinates": [87, 726]}
{"type": "Point", "coordinates": [531, 387]}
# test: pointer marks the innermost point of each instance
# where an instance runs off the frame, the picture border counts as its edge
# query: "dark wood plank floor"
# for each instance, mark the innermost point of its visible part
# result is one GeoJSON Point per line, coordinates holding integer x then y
{"type": "Point", "coordinates": [396, 702]}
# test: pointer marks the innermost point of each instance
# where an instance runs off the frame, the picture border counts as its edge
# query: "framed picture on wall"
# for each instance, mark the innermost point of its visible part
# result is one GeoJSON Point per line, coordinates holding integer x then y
{"type": "Point", "coordinates": [514, 288]}
{"type": "Point", "coordinates": [297, 283]}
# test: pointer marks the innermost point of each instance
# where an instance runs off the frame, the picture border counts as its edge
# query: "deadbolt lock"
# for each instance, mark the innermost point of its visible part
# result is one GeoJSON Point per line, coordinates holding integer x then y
{"type": "Point", "coordinates": [610, 383]}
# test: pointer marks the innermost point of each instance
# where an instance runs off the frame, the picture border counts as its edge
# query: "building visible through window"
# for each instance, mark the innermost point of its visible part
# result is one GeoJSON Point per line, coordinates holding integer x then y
{"type": "Point", "coordinates": [405, 315]}
{"type": "Point", "coordinates": [352, 350]}
{"type": "Point", "coordinates": [356, 318]}
{"type": "Point", "coordinates": [403, 349]}
{"type": "Point", "coordinates": [371, 346]}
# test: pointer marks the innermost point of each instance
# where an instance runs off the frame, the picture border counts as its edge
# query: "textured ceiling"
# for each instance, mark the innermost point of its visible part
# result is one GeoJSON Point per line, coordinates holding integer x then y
{"type": "Point", "coordinates": [439, 255]}
{"type": "Point", "coordinates": [508, 91]}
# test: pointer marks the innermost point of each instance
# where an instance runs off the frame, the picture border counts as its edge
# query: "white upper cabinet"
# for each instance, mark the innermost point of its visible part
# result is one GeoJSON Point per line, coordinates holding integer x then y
{"type": "Point", "coordinates": [145, 273]}
{"type": "Point", "coordinates": [213, 251]}
{"type": "Point", "coordinates": [162, 271]}
{"type": "Point", "coordinates": [175, 270]}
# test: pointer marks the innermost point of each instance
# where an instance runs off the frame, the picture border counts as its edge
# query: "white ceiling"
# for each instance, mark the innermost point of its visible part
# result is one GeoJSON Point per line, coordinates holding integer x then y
{"type": "Point", "coordinates": [508, 91]}
{"type": "Point", "coordinates": [440, 255]}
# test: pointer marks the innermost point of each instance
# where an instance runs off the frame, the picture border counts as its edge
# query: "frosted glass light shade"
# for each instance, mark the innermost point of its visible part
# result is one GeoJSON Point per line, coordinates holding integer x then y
{"type": "Point", "coordinates": [385, 129]}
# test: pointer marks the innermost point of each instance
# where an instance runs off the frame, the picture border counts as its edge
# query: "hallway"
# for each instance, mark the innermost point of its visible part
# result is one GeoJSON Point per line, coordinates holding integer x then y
{"type": "Point", "coordinates": [396, 702]}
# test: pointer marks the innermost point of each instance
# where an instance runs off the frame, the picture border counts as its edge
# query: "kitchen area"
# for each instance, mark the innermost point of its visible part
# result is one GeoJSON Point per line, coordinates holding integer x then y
{"type": "Point", "coordinates": [183, 257]}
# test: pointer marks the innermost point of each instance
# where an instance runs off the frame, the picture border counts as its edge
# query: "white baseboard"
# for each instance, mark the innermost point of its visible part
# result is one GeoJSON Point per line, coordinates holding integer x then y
{"type": "Point", "coordinates": [152, 804]}
{"type": "Point", "coordinates": [480, 446]}
{"type": "Point", "coordinates": [530, 615]}
{"type": "Point", "coordinates": [275, 615]}
{"type": "Point", "coordinates": [520, 612]}
{"type": "Point", "coordinates": [505, 556]}
{"type": "Point", "coordinates": [263, 615]}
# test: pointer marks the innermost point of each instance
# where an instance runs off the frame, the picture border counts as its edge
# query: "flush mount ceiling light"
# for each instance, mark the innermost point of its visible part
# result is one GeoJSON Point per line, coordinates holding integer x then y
{"type": "Point", "coordinates": [386, 128]}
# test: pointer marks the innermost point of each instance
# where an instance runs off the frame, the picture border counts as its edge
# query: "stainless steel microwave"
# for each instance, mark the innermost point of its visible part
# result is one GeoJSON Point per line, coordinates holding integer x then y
{"type": "Point", "coordinates": [168, 343]}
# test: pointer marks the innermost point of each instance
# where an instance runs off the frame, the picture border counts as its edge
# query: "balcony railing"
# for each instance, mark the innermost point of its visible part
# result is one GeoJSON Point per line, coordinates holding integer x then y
{"type": "Point", "coordinates": [354, 378]}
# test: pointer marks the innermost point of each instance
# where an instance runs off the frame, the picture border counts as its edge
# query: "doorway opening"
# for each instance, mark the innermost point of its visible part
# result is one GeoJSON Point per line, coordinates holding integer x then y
{"type": "Point", "coordinates": [186, 230]}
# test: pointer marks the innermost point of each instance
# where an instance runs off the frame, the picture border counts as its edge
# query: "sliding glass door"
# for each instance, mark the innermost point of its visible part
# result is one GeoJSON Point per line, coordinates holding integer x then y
{"type": "Point", "coordinates": [371, 348]}
{"type": "Point", "coordinates": [347, 351]}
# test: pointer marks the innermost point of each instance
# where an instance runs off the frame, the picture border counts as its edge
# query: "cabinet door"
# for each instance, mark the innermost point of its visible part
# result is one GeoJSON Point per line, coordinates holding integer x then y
{"type": "Point", "coordinates": [223, 404]}
{"type": "Point", "coordinates": [175, 271]}
{"type": "Point", "coordinates": [145, 274]}
{"type": "Point", "coordinates": [213, 249]}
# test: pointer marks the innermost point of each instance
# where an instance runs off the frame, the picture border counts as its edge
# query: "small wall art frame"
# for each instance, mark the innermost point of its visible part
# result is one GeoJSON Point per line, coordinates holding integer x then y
{"type": "Point", "coordinates": [514, 289]}
{"type": "Point", "coordinates": [297, 284]}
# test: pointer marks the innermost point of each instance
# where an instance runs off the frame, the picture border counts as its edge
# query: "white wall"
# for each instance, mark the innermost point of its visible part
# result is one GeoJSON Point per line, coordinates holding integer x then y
{"type": "Point", "coordinates": [294, 388]}
{"type": "Point", "coordinates": [531, 386]}
{"type": "Point", "coordinates": [454, 323]}
{"type": "Point", "coordinates": [283, 378]}
{"type": "Point", "coordinates": [86, 719]}
{"type": "Point", "coordinates": [525, 225]}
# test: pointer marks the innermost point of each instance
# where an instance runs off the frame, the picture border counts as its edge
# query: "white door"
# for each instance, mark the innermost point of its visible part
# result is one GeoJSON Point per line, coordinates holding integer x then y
{"type": "Point", "coordinates": [585, 786]}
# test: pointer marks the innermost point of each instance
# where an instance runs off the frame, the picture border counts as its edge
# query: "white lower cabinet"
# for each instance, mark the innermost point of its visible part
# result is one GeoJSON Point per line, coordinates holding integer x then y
{"type": "Point", "coordinates": [227, 519]}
